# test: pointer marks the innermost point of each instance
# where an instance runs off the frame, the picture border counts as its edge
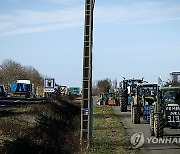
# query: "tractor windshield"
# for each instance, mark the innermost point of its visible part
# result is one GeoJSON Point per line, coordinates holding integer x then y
{"type": "Point", "coordinates": [148, 90]}
{"type": "Point", "coordinates": [111, 95]}
{"type": "Point", "coordinates": [172, 96]}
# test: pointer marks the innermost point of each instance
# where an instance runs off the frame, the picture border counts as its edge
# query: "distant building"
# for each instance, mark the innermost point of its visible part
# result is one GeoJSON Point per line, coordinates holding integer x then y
{"type": "Point", "coordinates": [175, 77]}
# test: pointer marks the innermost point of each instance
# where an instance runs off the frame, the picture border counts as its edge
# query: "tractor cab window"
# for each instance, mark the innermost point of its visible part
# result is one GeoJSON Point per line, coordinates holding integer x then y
{"type": "Point", "coordinates": [147, 91]}
{"type": "Point", "coordinates": [111, 95]}
{"type": "Point", "coordinates": [172, 96]}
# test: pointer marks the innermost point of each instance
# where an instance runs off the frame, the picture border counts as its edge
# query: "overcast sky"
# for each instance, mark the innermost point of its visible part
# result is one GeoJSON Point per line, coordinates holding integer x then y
{"type": "Point", "coordinates": [134, 38]}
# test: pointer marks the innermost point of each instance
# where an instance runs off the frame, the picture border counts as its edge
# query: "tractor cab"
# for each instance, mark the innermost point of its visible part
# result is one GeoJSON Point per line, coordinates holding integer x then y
{"type": "Point", "coordinates": [145, 96]}
{"type": "Point", "coordinates": [147, 93]}
{"type": "Point", "coordinates": [103, 99]}
{"type": "Point", "coordinates": [128, 89]}
{"type": "Point", "coordinates": [171, 106]}
{"type": "Point", "coordinates": [111, 99]}
{"type": "Point", "coordinates": [3, 92]}
{"type": "Point", "coordinates": [166, 112]}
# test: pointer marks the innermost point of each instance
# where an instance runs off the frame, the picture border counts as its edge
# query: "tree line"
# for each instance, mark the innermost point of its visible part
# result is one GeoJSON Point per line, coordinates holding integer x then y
{"type": "Point", "coordinates": [11, 71]}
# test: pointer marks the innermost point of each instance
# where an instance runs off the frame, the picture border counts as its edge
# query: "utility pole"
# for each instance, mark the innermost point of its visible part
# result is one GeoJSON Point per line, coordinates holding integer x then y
{"type": "Point", "coordinates": [87, 102]}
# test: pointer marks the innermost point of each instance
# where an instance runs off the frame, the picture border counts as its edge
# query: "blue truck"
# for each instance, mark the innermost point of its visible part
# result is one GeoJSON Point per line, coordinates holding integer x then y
{"type": "Point", "coordinates": [22, 88]}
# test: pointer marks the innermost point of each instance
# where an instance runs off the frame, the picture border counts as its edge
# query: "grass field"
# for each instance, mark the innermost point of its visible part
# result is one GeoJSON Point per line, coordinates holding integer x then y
{"type": "Point", "coordinates": [109, 134]}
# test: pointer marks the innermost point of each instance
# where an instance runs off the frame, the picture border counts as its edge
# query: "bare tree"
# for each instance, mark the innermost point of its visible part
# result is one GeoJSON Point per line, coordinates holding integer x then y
{"type": "Point", "coordinates": [33, 75]}
{"type": "Point", "coordinates": [104, 85]}
{"type": "Point", "coordinates": [12, 71]}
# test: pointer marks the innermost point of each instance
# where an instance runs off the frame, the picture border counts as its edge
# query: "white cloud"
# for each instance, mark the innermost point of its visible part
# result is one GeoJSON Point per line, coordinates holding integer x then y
{"type": "Point", "coordinates": [28, 21]}
{"type": "Point", "coordinates": [148, 12]}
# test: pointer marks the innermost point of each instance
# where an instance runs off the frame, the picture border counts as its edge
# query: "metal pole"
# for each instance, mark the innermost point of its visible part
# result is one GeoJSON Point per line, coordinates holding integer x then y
{"type": "Point", "coordinates": [86, 107]}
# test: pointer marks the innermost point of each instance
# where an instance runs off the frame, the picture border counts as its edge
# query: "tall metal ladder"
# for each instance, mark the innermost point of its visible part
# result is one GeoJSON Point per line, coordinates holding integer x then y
{"type": "Point", "coordinates": [86, 108]}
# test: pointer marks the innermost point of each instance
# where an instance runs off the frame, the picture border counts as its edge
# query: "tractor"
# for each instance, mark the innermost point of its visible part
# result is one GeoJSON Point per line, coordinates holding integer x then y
{"type": "Point", "coordinates": [143, 99]}
{"type": "Point", "coordinates": [112, 100]}
{"type": "Point", "coordinates": [127, 91]}
{"type": "Point", "coordinates": [165, 113]}
{"type": "Point", "coordinates": [103, 99]}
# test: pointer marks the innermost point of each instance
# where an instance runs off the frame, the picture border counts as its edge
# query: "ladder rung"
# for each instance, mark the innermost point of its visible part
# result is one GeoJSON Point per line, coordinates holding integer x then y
{"type": "Point", "coordinates": [85, 130]}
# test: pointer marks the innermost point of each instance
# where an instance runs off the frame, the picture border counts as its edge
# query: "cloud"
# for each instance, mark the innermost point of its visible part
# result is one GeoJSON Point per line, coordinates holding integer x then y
{"type": "Point", "coordinates": [29, 21]}
{"type": "Point", "coordinates": [145, 13]}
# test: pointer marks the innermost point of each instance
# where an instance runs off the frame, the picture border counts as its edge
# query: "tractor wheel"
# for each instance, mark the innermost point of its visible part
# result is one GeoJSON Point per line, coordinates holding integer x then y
{"type": "Point", "coordinates": [123, 105]}
{"type": "Point", "coordinates": [136, 115]}
{"type": "Point", "coordinates": [151, 124]}
{"type": "Point", "coordinates": [158, 125]}
{"type": "Point", "coordinates": [132, 113]}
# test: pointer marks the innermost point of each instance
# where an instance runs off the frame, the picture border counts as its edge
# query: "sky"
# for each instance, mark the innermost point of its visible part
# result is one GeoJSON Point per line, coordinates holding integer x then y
{"type": "Point", "coordinates": [132, 39]}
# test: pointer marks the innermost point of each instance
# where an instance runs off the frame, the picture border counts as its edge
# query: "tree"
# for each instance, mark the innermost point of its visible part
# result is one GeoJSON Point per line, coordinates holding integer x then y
{"type": "Point", "coordinates": [12, 71]}
{"type": "Point", "coordinates": [33, 75]}
{"type": "Point", "coordinates": [104, 85]}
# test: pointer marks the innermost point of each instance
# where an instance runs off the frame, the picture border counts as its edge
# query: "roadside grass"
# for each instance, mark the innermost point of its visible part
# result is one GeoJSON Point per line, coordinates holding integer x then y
{"type": "Point", "coordinates": [109, 135]}
{"type": "Point", "coordinates": [46, 127]}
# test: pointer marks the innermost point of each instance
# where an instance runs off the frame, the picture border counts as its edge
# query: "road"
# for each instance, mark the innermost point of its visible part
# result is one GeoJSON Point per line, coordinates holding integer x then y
{"type": "Point", "coordinates": [10, 102]}
{"type": "Point", "coordinates": [149, 148]}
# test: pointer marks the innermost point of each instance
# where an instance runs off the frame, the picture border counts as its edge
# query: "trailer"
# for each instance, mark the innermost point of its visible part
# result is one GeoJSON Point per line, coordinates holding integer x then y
{"type": "Point", "coordinates": [22, 88]}
{"type": "Point", "coordinates": [75, 91]}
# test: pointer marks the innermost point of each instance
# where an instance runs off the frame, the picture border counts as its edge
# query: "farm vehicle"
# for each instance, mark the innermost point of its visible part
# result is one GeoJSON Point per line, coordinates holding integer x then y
{"type": "Point", "coordinates": [75, 91]}
{"type": "Point", "coordinates": [165, 113]}
{"type": "Point", "coordinates": [143, 99]}
{"type": "Point", "coordinates": [112, 100]}
{"type": "Point", "coordinates": [108, 99]}
{"type": "Point", "coordinates": [127, 90]}
{"type": "Point", "coordinates": [103, 100]}
{"type": "Point", "coordinates": [22, 88]}
{"type": "Point", "coordinates": [3, 92]}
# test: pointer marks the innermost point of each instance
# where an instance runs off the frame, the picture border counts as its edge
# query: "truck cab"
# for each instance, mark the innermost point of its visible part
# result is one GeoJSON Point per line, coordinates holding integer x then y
{"type": "Point", "coordinates": [3, 92]}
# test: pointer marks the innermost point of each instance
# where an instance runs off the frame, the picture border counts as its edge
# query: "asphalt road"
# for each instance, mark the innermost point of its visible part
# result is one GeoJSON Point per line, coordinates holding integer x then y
{"type": "Point", "coordinates": [153, 147]}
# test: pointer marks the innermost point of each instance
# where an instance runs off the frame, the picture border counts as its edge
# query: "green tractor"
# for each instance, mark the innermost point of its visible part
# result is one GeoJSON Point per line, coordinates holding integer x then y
{"type": "Point", "coordinates": [165, 113]}
{"type": "Point", "coordinates": [127, 91]}
{"type": "Point", "coordinates": [145, 96]}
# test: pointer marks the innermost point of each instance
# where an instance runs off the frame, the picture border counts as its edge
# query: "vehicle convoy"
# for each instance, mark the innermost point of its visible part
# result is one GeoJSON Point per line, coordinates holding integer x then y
{"type": "Point", "coordinates": [3, 92]}
{"type": "Point", "coordinates": [143, 99]}
{"type": "Point", "coordinates": [128, 87]}
{"type": "Point", "coordinates": [165, 113]}
{"type": "Point", "coordinates": [22, 88]}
